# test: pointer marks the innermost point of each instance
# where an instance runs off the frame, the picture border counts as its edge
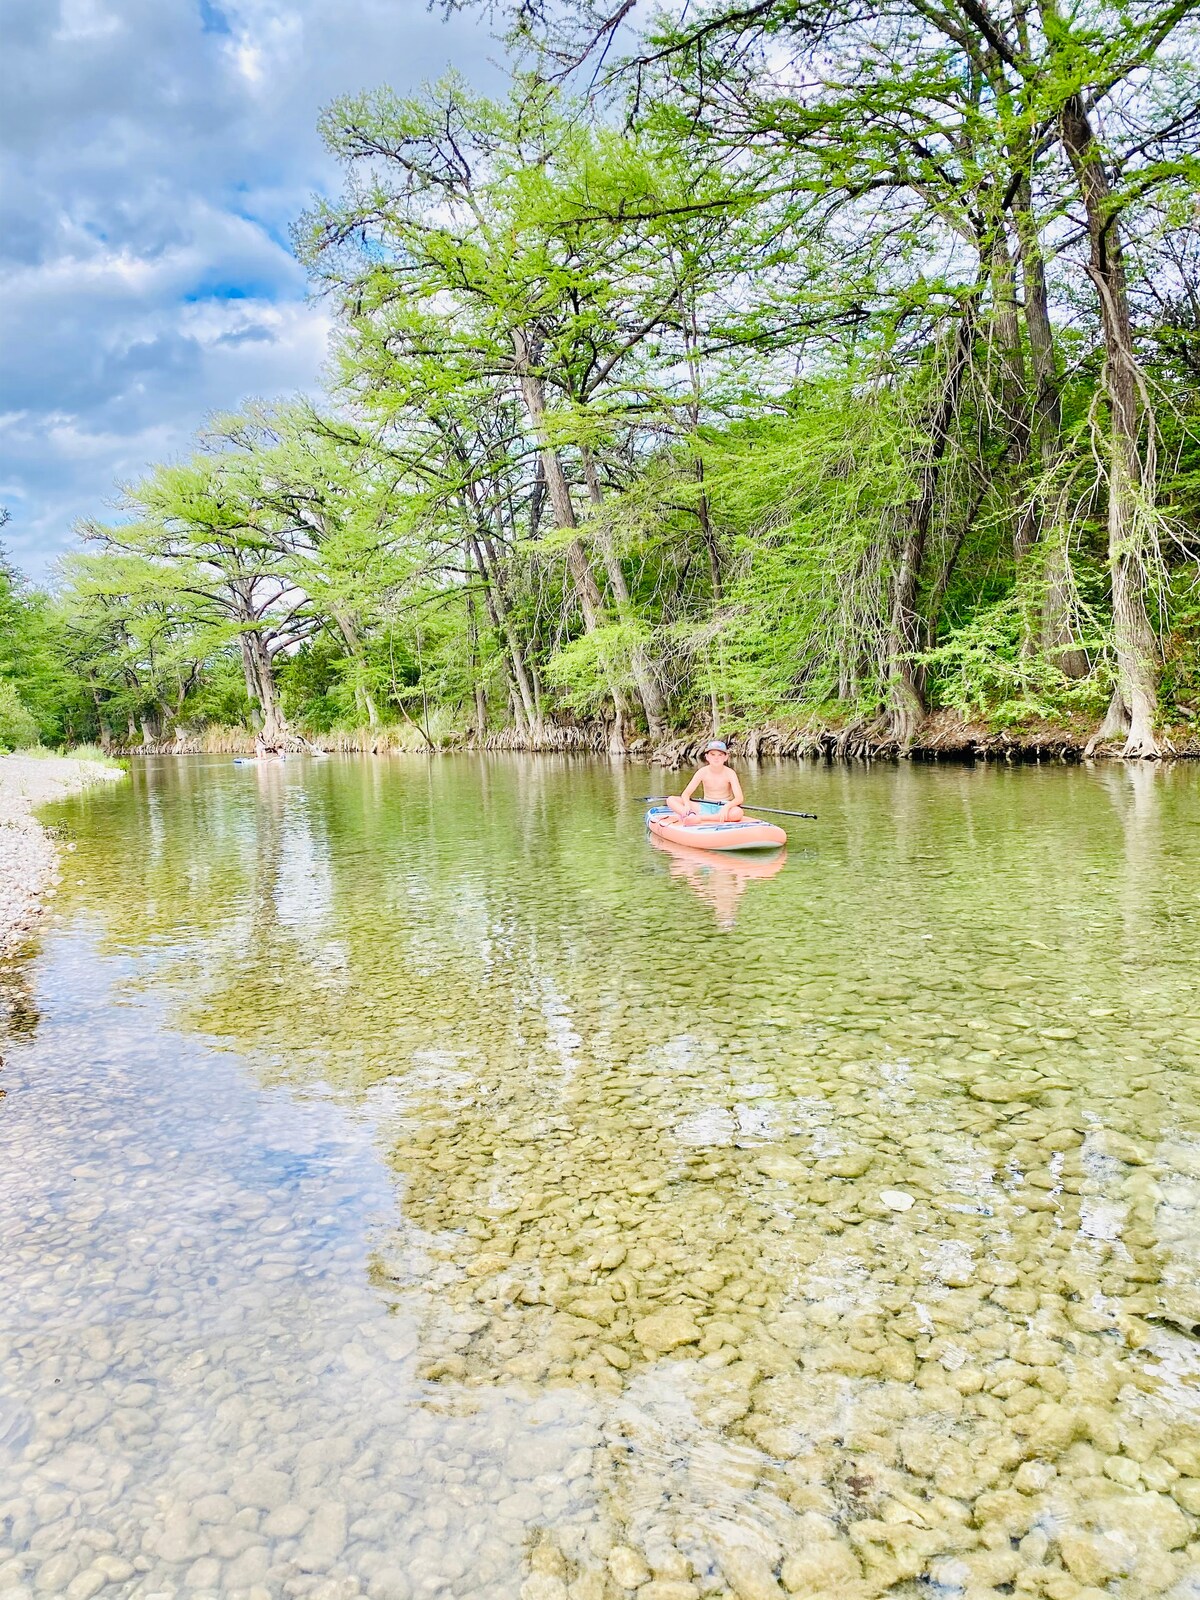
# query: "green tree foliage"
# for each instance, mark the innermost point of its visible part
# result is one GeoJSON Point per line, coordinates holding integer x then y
{"type": "Point", "coordinates": [38, 691]}
{"type": "Point", "coordinates": [17, 725]}
{"type": "Point", "coordinates": [831, 364]}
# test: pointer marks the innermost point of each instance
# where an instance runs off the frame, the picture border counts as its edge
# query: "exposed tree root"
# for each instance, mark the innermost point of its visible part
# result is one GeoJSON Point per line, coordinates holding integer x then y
{"type": "Point", "coordinates": [1145, 747]}
{"type": "Point", "coordinates": [941, 737]}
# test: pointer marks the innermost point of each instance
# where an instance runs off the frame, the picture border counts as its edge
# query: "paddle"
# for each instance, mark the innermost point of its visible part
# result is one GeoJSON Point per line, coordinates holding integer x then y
{"type": "Point", "coordinates": [809, 816]}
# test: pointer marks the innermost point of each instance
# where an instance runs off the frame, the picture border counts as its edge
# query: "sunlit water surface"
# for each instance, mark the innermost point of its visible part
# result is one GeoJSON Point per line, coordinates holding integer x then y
{"type": "Point", "coordinates": [417, 1183]}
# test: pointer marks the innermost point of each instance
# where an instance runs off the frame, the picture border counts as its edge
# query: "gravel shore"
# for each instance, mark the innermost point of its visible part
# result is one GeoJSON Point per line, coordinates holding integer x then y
{"type": "Point", "coordinates": [28, 858]}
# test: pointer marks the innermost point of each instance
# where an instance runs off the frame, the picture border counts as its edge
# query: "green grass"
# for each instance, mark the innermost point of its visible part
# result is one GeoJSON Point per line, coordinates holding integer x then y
{"type": "Point", "coordinates": [93, 752]}
{"type": "Point", "coordinates": [78, 752]}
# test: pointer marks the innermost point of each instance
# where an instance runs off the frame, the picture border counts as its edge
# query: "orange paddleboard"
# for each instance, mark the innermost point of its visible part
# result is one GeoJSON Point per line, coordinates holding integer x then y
{"type": "Point", "coordinates": [749, 834]}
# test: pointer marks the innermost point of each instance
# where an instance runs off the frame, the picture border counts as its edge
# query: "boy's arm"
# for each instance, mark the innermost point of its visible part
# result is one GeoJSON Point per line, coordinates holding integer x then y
{"type": "Point", "coordinates": [738, 796]}
{"type": "Point", "coordinates": [691, 788]}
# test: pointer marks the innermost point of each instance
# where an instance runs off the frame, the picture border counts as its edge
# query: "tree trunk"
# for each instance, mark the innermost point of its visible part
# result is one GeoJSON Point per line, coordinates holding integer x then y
{"type": "Point", "coordinates": [491, 568]}
{"type": "Point", "coordinates": [1013, 381]}
{"type": "Point", "coordinates": [1059, 589]}
{"type": "Point", "coordinates": [1013, 390]}
{"type": "Point", "coordinates": [691, 343]}
{"type": "Point", "coordinates": [649, 691]}
{"type": "Point", "coordinates": [476, 676]}
{"type": "Point", "coordinates": [362, 694]}
{"type": "Point", "coordinates": [524, 697]}
{"type": "Point", "coordinates": [106, 736]}
{"type": "Point", "coordinates": [1114, 726]}
{"type": "Point", "coordinates": [266, 711]}
{"type": "Point", "coordinates": [906, 692]}
{"type": "Point", "coordinates": [583, 579]}
{"type": "Point", "coordinates": [937, 589]}
{"type": "Point", "coordinates": [1136, 646]}
{"type": "Point", "coordinates": [712, 547]}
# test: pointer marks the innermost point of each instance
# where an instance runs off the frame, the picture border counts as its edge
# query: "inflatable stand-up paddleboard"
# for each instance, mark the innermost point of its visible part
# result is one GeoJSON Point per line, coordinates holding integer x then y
{"type": "Point", "coordinates": [752, 833]}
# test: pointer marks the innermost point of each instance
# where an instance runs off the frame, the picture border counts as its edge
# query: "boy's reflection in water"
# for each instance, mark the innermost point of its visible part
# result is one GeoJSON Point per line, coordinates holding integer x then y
{"type": "Point", "coordinates": [719, 879]}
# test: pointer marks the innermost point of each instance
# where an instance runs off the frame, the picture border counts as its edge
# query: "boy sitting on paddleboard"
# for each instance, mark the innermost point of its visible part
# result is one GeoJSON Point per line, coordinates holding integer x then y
{"type": "Point", "coordinates": [722, 792]}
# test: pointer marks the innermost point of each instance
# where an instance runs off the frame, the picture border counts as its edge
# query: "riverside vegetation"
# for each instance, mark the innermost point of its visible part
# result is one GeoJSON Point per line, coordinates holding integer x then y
{"type": "Point", "coordinates": [822, 366]}
{"type": "Point", "coordinates": [395, 1211]}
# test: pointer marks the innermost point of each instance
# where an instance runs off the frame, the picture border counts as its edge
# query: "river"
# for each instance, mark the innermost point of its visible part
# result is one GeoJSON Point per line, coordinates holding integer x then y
{"type": "Point", "coordinates": [418, 1183]}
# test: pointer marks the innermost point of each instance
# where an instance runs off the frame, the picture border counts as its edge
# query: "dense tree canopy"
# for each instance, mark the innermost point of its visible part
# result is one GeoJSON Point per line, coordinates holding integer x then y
{"type": "Point", "coordinates": [826, 364]}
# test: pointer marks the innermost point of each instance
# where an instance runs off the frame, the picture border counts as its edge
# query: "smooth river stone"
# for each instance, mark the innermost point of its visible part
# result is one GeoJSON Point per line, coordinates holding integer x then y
{"type": "Point", "coordinates": [749, 1574]}
{"type": "Point", "coordinates": [325, 1539]}
{"type": "Point", "coordinates": [1095, 1559]}
{"type": "Point", "coordinates": [779, 1164]}
{"type": "Point", "coordinates": [285, 1522]}
{"type": "Point", "coordinates": [263, 1488]}
{"type": "Point", "coordinates": [823, 1568]}
{"type": "Point", "coordinates": [203, 1574]}
{"type": "Point", "coordinates": [55, 1573]}
{"type": "Point", "coordinates": [1002, 1091]}
{"type": "Point", "coordinates": [1152, 1521]}
{"type": "Point", "coordinates": [86, 1585]}
{"type": "Point", "coordinates": [851, 1165]}
{"type": "Point", "coordinates": [389, 1583]}
{"type": "Point", "coordinates": [543, 1586]}
{"type": "Point", "coordinates": [666, 1330]}
{"type": "Point", "coordinates": [627, 1567]}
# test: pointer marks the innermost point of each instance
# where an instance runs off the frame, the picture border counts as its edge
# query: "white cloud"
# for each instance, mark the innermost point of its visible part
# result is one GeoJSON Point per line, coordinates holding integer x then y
{"type": "Point", "coordinates": [152, 156]}
{"type": "Point", "coordinates": [85, 19]}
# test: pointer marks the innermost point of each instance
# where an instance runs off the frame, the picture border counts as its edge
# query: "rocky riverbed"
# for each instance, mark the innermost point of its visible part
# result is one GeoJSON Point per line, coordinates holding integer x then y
{"type": "Point", "coordinates": [28, 858]}
{"type": "Point", "coordinates": [394, 1214]}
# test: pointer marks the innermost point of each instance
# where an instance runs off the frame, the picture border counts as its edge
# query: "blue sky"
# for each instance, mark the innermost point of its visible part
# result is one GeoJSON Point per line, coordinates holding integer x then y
{"type": "Point", "coordinates": [153, 154]}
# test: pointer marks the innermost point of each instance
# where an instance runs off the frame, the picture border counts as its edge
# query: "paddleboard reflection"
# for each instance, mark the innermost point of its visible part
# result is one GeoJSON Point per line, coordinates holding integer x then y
{"type": "Point", "coordinates": [719, 879]}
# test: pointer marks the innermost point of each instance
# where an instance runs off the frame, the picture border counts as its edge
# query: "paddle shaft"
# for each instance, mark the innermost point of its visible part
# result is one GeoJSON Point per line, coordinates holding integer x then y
{"type": "Point", "coordinates": [809, 816]}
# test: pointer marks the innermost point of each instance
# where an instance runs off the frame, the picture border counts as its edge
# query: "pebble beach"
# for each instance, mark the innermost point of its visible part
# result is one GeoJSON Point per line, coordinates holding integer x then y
{"type": "Point", "coordinates": [28, 857]}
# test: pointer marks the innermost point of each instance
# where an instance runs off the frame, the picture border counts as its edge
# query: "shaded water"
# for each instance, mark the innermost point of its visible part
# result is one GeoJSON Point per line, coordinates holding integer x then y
{"type": "Point", "coordinates": [418, 1183]}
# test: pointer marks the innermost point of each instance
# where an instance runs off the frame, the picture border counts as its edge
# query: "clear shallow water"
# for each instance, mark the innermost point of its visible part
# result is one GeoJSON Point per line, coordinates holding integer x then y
{"type": "Point", "coordinates": [417, 1183]}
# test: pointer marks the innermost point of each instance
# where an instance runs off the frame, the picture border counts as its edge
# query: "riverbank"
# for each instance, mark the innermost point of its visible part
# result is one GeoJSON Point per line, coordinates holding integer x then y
{"type": "Point", "coordinates": [944, 736]}
{"type": "Point", "coordinates": [28, 855]}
